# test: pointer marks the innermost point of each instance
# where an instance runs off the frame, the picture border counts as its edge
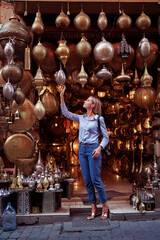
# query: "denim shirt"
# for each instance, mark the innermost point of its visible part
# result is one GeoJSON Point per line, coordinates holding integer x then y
{"type": "Point", "coordinates": [88, 129]}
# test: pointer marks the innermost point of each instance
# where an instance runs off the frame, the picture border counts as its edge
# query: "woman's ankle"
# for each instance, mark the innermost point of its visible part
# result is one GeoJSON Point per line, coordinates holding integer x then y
{"type": "Point", "coordinates": [104, 205]}
{"type": "Point", "coordinates": [94, 207]}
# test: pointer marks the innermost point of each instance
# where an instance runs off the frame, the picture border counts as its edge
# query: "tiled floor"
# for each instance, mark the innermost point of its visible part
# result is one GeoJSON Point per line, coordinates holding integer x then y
{"type": "Point", "coordinates": [111, 181]}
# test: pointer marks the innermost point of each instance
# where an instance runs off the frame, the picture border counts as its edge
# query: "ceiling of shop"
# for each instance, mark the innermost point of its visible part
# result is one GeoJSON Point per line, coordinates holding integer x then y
{"type": "Point", "coordinates": [50, 9]}
{"type": "Point", "coordinates": [90, 7]}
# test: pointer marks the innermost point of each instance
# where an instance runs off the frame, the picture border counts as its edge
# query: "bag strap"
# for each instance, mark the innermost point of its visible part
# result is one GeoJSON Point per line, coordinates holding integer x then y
{"type": "Point", "coordinates": [99, 124]}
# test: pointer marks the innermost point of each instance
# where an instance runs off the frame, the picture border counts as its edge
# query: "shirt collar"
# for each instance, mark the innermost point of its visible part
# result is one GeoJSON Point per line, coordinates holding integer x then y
{"type": "Point", "coordinates": [95, 117]}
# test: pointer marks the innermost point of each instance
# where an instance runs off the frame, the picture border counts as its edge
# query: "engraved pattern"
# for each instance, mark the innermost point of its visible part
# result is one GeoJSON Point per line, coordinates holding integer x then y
{"type": "Point", "coordinates": [23, 203]}
{"type": "Point", "coordinates": [20, 203]}
{"type": "Point", "coordinates": [48, 205]}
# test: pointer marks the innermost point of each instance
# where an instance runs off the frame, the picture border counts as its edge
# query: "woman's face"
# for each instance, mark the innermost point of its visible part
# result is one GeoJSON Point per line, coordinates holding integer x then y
{"type": "Point", "coordinates": [88, 104]}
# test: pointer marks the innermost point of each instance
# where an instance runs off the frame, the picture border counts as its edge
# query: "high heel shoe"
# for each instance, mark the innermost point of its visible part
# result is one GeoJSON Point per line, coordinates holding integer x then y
{"type": "Point", "coordinates": [105, 214]}
{"type": "Point", "coordinates": [93, 215]}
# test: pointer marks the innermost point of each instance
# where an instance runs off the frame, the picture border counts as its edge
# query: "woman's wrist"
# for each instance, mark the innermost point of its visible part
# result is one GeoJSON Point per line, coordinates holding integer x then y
{"type": "Point", "coordinates": [100, 147]}
{"type": "Point", "coordinates": [62, 99]}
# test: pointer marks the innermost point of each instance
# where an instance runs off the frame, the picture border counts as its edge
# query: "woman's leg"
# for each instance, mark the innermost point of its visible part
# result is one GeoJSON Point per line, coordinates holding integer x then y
{"type": "Point", "coordinates": [105, 211]}
{"type": "Point", "coordinates": [84, 163]}
{"type": "Point", "coordinates": [95, 173]}
{"type": "Point", "coordinates": [87, 179]}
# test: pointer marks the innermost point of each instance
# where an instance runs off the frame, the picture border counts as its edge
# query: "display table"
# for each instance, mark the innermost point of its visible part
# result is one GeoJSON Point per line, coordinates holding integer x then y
{"type": "Point", "coordinates": [23, 200]}
{"type": "Point", "coordinates": [51, 200]}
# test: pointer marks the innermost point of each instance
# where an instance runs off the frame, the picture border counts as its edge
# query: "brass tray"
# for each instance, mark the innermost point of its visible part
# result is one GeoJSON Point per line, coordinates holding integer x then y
{"type": "Point", "coordinates": [18, 146]}
{"type": "Point", "coordinates": [27, 117]}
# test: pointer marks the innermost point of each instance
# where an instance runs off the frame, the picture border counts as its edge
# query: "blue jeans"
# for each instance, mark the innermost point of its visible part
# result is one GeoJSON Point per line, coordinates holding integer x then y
{"type": "Point", "coordinates": [91, 170]}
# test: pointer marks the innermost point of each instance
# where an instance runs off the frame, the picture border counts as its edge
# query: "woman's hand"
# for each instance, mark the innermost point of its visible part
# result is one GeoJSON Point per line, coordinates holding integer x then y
{"type": "Point", "coordinates": [97, 152]}
{"type": "Point", "coordinates": [62, 91]}
{"type": "Point", "coordinates": [62, 94]}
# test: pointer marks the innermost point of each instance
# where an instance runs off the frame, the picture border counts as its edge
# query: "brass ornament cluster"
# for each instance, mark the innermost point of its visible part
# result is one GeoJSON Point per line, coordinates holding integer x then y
{"type": "Point", "coordinates": [47, 103]}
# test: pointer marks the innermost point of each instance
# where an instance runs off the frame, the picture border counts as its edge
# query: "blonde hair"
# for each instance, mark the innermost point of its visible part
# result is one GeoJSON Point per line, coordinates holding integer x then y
{"type": "Point", "coordinates": [97, 108]}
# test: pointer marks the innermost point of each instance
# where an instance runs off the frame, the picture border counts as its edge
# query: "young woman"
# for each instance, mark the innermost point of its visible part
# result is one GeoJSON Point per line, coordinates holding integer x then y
{"type": "Point", "coordinates": [90, 150]}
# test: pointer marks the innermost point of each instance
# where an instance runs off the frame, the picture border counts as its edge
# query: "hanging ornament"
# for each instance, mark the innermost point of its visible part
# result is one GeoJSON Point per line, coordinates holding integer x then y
{"type": "Point", "coordinates": [9, 116]}
{"type": "Point", "coordinates": [143, 21]}
{"type": "Point", "coordinates": [60, 77]}
{"type": "Point", "coordinates": [62, 21]}
{"type": "Point", "coordinates": [124, 50]}
{"type": "Point", "coordinates": [13, 72]}
{"type": "Point", "coordinates": [9, 50]}
{"type": "Point", "coordinates": [103, 51]}
{"type": "Point", "coordinates": [19, 97]}
{"type": "Point", "coordinates": [83, 48]}
{"type": "Point", "coordinates": [38, 26]}
{"type": "Point", "coordinates": [39, 53]}
{"type": "Point", "coordinates": [18, 31]}
{"type": "Point", "coordinates": [82, 21]}
{"type": "Point", "coordinates": [145, 97]}
{"type": "Point", "coordinates": [150, 60]}
{"type": "Point", "coordinates": [39, 81]}
{"type": "Point", "coordinates": [27, 59]}
{"type": "Point", "coordinates": [124, 21]}
{"type": "Point", "coordinates": [39, 110]}
{"type": "Point", "coordinates": [136, 78]}
{"type": "Point", "coordinates": [50, 102]}
{"type": "Point", "coordinates": [123, 77]}
{"type": "Point", "coordinates": [144, 47]}
{"type": "Point", "coordinates": [104, 74]}
{"type": "Point", "coordinates": [102, 21]}
{"type": "Point", "coordinates": [16, 115]}
{"type": "Point", "coordinates": [62, 52]}
{"type": "Point", "coordinates": [82, 76]}
{"type": "Point", "coordinates": [94, 81]}
{"type": "Point", "coordinates": [146, 79]}
{"type": "Point", "coordinates": [8, 91]}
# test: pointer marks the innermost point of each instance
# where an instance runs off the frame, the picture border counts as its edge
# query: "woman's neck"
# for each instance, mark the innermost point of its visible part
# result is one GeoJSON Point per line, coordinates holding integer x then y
{"type": "Point", "coordinates": [90, 114]}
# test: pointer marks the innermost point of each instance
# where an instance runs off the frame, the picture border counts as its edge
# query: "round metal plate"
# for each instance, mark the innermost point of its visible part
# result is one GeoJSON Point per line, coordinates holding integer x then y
{"type": "Point", "coordinates": [27, 117]}
{"type": "Point", "coordinates": [18, 146]}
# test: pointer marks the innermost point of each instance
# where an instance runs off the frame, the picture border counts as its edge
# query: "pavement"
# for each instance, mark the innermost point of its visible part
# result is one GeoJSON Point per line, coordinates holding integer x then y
{"type": "Point", "coordinates": [79, 228]}
{"type": "Point", "coordinates": [69, 223]}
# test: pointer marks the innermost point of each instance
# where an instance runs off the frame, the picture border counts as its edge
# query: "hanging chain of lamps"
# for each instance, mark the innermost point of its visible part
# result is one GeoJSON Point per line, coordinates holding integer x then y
{"type": "Point", "coordinates": [82, 23]}
{"type": "Point", "coordinates": [39, 53]}
{"type": "Point", "coordinates": [14, 38]}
